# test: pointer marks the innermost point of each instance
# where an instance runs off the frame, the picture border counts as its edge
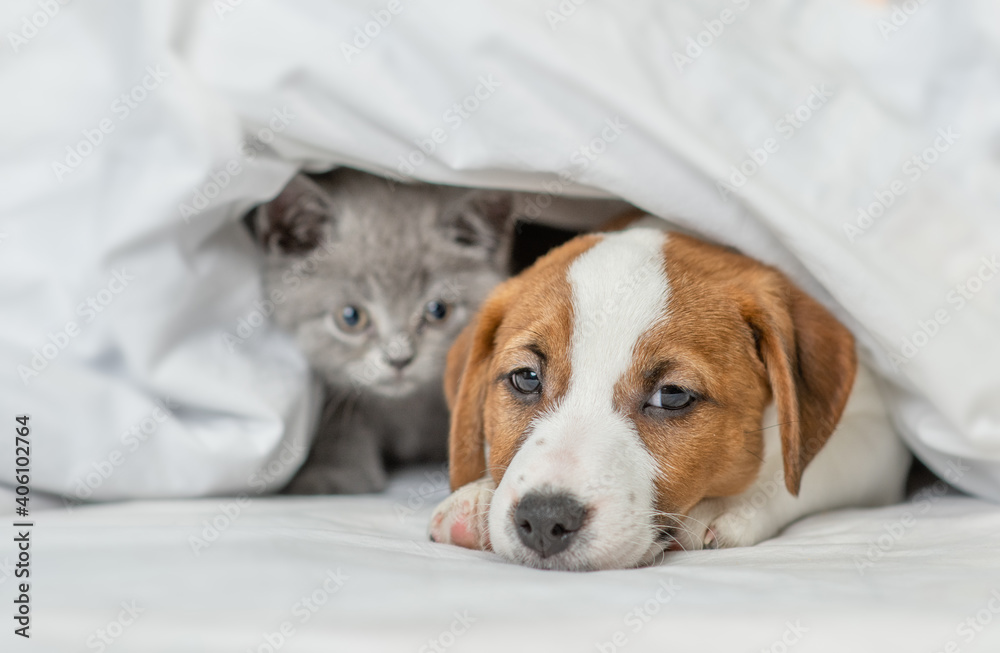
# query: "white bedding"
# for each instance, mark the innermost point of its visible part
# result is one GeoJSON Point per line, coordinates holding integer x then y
{"type": "Point", "coordinates": [830, 577]}
{"type": "Point", "coordinates": [224, 99]}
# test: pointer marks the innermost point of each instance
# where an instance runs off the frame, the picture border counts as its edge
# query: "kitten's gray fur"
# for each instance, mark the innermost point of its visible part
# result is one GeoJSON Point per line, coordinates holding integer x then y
{"type": "Point", "coordinates": [352, 239]}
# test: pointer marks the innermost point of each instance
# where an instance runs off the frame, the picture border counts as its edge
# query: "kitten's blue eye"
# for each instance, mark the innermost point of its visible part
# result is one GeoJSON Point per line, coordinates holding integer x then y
{"type": "Point", "coordinates": [436, 311]}
{"type": "Point", "coordinates": [351, 319]}
{"type": "Point", "coordinates": [526, 381]}
{"type": "Point", "coordinates": [671, 397]}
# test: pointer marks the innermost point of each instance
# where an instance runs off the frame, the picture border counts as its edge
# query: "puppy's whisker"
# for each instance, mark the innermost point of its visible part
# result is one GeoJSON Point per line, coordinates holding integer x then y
{"type": "Point", "coordinates": [755, 455]}
{"type": "Point", "coordinates": [682, 523]}
{"type": "Point", "coordinates": [794, 421]}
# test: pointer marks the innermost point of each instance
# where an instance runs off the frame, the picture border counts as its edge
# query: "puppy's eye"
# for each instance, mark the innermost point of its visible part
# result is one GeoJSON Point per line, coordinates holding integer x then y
{"type": "Point", "coordinates": [671, 397]}
{"type": "Point", "coordinates": [351, 319]}
{"type": "Point", "coordinates": [526, 381]}
{"type": "Point", "coordinates": [436, 311]}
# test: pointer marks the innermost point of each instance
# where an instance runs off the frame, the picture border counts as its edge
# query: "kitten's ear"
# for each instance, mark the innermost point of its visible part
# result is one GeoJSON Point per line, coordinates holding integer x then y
{"type": "Point", "coordinates": [481, 218]}
{"type": "Point", "coordinates": [294, 221]}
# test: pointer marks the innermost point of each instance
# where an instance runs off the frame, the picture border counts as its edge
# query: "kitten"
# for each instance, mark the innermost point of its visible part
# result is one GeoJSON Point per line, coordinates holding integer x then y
{"type": "Point", "coordinates": [379, 279]}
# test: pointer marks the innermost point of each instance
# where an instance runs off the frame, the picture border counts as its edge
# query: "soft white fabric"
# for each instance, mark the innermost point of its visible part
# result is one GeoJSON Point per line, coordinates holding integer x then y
{"type": "Point", "coordinates": [905, 578]}
{"type": "Point", "coordinates": [158, 197]}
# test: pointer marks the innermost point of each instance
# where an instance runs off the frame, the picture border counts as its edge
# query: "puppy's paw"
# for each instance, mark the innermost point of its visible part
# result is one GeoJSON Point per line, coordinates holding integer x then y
{"type": "Point", "coordinates": [461, 519]}
{"type": "Point", "coordinates": [720, 523]}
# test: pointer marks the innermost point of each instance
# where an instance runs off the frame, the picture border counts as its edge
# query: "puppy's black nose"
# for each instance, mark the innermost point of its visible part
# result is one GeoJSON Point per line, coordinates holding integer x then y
{"type": "Point", "coordinates": [546, 523]}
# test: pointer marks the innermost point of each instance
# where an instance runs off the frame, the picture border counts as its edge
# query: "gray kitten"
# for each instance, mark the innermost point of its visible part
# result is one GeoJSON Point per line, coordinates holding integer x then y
{"type": "Point", "coordinates": [379, 279]}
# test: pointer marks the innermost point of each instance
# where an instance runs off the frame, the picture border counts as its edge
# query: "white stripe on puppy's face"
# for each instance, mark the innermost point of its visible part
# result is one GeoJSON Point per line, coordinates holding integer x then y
{"type": "Point", "coordinates": [583, 446]}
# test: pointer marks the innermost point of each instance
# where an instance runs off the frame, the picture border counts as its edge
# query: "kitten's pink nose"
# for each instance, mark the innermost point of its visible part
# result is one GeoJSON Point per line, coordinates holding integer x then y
{"type": "Point", "coordinates": [399, 351]}
{"type": "Point", "coordinates": [399, 362]}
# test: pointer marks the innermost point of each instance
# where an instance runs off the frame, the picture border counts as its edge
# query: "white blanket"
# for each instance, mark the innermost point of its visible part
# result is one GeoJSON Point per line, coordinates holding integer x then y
{"type": "Point", "coordinates": [136, 132]}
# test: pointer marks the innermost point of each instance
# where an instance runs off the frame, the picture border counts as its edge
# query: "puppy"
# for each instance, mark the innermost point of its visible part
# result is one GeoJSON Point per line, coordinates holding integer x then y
{"type": "Point", "coordinates": [639, 391]}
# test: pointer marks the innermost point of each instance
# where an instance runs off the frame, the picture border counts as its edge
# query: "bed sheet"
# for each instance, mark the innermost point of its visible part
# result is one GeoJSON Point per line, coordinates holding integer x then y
{"type": "Point", "coordinates": [357, 574]}
{"type": "Point", "coordinates": [852, 145]}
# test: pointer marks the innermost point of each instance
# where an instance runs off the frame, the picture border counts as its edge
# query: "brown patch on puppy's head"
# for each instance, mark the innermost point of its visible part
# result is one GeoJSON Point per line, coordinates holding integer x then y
{"type": "Point", "coordinates": [527, 316]}
{"type": "Point", "coordinates": [738, 334]}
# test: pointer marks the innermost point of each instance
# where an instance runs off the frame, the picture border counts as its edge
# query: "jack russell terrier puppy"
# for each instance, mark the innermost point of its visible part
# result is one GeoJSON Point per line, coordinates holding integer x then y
{"type": "Point", "coordinates": [641, 391]}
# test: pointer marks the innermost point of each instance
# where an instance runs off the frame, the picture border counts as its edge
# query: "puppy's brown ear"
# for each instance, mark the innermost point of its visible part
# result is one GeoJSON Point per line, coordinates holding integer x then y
{"type": "Point", "coordinates": [811, 363]}
{"type": "Point", "coordinates": [465, 384]}
{"type": "Point", "coordinates": [455, 362]}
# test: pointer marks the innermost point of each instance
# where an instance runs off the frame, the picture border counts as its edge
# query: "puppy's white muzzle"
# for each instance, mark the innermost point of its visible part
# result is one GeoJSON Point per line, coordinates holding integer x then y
{"type": "Point", "coordinates": [579, 494]}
